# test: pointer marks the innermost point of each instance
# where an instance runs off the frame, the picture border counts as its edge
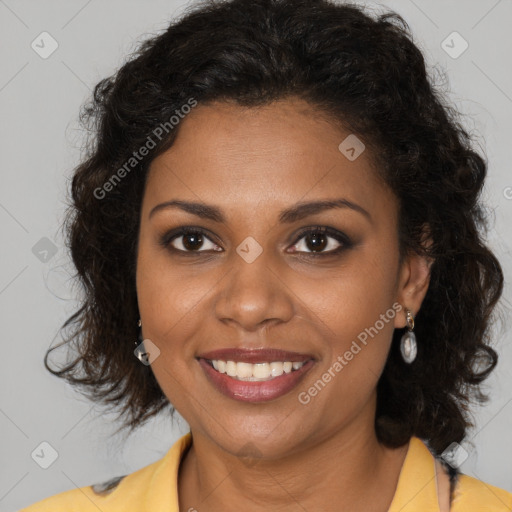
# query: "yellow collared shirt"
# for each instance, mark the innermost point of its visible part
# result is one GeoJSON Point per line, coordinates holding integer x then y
{"type": "Point", "coordinates": [148, 489]}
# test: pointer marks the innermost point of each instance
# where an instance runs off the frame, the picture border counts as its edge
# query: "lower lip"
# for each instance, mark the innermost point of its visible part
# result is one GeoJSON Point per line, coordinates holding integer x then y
{"type": "Point", "coordinates": [251, 391]}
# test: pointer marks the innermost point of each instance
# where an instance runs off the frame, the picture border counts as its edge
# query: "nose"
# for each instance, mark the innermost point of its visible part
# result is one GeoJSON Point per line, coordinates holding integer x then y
{"type": "Point", "coordinates": [253, 295]}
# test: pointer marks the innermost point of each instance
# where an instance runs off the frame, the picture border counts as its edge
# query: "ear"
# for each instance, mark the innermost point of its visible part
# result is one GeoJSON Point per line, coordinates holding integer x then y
{"type": "Point", "coordinates": [413, 282]}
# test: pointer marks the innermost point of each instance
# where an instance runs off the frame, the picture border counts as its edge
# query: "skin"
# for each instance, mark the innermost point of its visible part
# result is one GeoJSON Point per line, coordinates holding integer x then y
{"type": "Point", "coordinates": [252, 163]}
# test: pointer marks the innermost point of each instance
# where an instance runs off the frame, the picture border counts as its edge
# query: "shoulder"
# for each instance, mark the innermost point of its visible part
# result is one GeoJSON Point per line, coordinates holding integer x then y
{"type": "Point", "coordinates": [139, 490]}
{"type": "Point", "coordinates": [474, 494]}
{"type": "Point", "coordinates": [81, 499]}
{"type": "Point", "coordinates": [105, 496]}
{"type": "Point", "coordinates": [418, 487]}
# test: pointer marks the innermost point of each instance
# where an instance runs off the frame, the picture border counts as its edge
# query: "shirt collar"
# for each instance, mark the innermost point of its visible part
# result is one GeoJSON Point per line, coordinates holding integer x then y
{"type": "Point", "coordinates": [417, 484]}
{"type": "Point", "coordinates": [416, 488]}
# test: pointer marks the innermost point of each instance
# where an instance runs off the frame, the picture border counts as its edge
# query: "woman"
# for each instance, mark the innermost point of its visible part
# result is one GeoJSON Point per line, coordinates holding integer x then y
{"type": "Point", "coordinates": [280, 218]}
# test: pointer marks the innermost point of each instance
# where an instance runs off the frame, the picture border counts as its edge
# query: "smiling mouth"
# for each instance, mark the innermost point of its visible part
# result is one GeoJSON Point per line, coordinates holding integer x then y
{"type": "Point", "coordinates": [254, 372]}
{"type": "Point", "coordinates": [255, 376]}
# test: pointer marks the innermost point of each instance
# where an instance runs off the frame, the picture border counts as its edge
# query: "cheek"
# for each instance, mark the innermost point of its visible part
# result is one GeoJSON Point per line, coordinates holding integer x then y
{"type": "Point", "coordinates": [168, 297]}
{"type": "Point", "coordinates": [357, 307]}
{"type": "Point", "coordinates": [354, 296]}
{"type": "Point", "coordinates": [166, 304]}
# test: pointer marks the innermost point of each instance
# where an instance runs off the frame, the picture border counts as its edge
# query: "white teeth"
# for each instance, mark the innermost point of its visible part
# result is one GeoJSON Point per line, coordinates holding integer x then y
{"type": "Point", "coordinates": [276, 369]}
{"type": "Point", "coordinates": [261, 370]}
{"type": "Point", "coordinates": [231, 368]}
{"type": "Point", "coordinates": [244, 370]}
{"type": "Point", "coordinates": [257, 371]}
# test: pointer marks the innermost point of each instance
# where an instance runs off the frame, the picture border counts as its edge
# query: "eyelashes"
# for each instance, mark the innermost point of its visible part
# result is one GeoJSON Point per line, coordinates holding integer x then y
{"type": "Point", "coordinates": [188, 237]}
{"type": "Point", "coordinates": [199, 234]}
{"type": "Point", "coordinates": [325, 233]}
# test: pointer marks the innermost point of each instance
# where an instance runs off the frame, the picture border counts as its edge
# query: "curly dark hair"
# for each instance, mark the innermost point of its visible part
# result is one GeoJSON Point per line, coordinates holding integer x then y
{"type": "Point", "coordinates": [364, 72]}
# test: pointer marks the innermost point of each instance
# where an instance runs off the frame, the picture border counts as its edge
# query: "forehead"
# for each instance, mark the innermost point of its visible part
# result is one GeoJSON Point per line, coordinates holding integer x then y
{"type": "Point", "coordinates": [277, 154]}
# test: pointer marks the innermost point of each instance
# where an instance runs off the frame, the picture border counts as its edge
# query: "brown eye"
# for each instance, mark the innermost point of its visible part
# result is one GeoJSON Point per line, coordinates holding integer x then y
{"type": "Point", "coordinates": [321, 240]}
{"type": "Point", "coordinates": [190, 240]}
{"type": "Point", "coordinates": [316, 241]}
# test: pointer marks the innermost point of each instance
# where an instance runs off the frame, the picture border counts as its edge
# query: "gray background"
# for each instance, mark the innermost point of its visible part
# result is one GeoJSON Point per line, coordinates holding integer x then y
{"type": "Point", "coordinates": [40, 140]}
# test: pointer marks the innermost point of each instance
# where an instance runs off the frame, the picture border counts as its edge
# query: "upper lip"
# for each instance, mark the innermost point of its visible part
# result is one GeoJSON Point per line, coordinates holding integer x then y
{"type": "Point", "coordinates": [261, 355]}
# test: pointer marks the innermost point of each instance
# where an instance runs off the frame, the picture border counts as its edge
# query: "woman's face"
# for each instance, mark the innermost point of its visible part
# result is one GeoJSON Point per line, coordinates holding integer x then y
{"type": "Point", "coordinates": [254, 281]}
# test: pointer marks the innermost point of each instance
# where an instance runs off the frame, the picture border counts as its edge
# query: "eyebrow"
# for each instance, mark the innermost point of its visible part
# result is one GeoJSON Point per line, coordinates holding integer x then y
{"type": "Point", "coordinates": [294, 213]}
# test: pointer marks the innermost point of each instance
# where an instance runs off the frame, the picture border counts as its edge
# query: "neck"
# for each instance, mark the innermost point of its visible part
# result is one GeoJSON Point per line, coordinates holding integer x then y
{"type": "Point", "coordinates": [347, 471]}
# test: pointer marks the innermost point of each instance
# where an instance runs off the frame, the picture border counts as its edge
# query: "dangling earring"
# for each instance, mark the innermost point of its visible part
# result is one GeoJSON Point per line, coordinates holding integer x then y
{"type": "Point", "coordinates": [408, 345]}
{"type": "Point", "coordinates": [139, 337]}
{"type": "Point", "coordinates": [140, 351]}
